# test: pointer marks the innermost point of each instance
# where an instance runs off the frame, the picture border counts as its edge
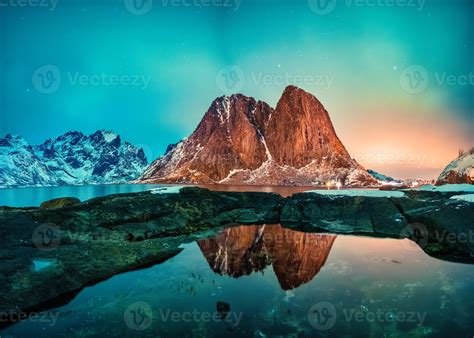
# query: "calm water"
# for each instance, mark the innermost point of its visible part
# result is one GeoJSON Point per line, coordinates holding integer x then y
{"type": "Point", "coordinates": [266, 281]}
{"type": "Point", "coordinates": [33, 197]}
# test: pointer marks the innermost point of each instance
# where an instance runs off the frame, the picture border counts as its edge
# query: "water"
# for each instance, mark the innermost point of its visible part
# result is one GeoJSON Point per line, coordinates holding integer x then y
{"type": "Point", "coordinates": [33, 197]}
{"type": "Point", "coordinates": [266, 281]}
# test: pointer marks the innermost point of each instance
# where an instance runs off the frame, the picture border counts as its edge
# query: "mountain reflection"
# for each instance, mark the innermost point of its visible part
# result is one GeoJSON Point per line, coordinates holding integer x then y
{"type": "Point", "coordinates": [296, 256]}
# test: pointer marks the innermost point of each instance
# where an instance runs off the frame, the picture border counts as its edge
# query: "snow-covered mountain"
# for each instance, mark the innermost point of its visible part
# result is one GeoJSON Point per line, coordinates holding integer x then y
{"type": "Point", "coordinates": [244, 141]}
{"type": "Point", "coordinates": [383, 178]}
{"type": "Point", "coordinates": [70, 159]}
{"type": "Point", "coordinates": [19, 166]}
{"type": "Point", "coordinates": [460, 170]}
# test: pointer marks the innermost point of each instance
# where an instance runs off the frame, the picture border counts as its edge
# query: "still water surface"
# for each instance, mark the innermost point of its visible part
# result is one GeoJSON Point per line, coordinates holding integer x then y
{"type": "Point", "coordinates": [33, 197]}
{"type": "Point", "coordinates": [266, 281]}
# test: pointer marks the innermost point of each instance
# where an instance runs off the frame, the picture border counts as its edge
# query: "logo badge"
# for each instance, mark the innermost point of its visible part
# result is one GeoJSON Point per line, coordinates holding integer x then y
{"type": "Point", "coordinates": [230, 79]}
{"type": "Point", "coordinates": [46, 237]}
{"type": "Point", "coordinates": [414, 79]}
{"type": "Point", "coordinates": [322, 316]}
{"type": "Point", "coordinates": [322, 7]}
{"type": "Point", "coordinates": [138, 7]}
{"type": "Point", "coordinates": [138, 316]}
{"type": "Point", "coordinates": [47, 79]}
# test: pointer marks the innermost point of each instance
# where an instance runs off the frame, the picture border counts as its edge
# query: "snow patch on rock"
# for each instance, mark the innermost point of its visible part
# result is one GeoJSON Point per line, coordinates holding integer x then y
{"type": "Point", "coordinates": [466, 198]}
{"type": "Point", "coordinates": [167, 190]}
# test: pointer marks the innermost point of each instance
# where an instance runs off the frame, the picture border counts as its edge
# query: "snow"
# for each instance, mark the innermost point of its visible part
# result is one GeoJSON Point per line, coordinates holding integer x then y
{"type": "Point", "coordinates": [467, 198]}
{"type": "Point", "coordinates": [262, 139]}
{"type": "Point", "coordinates": [109, 136]}
{"type": "Point", "coordinates": [383, 178]}
{"type": "Point", "coordinates": [167, 190]}
{"type": "Point", "coordinates": [231, 173]}
{"type": "Point", "coordinates": [226, 105]}
{"type": "Point", "coordinates": [448, 188]}
{"type": "Point", "coordinates": [359, 192]}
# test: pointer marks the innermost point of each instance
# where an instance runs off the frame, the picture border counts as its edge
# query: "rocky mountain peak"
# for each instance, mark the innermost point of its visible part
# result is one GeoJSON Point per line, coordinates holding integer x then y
{"type": "Point", "coordinates": [308, 134]}
{"type": "Point", "coordinates": [11, 140]}
{"type": "Point", "coordinates": [244, 141]}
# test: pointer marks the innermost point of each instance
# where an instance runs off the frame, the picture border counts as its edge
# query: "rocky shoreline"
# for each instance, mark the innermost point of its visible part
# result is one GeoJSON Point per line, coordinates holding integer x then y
{"type": "Point", "coordinates": [51, 253]}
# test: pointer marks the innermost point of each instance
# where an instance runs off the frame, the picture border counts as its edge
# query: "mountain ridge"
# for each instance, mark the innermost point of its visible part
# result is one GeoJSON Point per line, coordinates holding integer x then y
{"type": "Point", "coordinates": [72, 158]}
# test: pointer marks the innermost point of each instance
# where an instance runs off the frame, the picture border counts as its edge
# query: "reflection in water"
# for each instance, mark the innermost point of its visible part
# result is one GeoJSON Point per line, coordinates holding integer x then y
{"type": "Point", "coordinates": [296, 257]}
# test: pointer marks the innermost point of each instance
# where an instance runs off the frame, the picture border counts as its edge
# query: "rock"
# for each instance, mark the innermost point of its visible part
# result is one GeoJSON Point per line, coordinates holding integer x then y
{"type": "Point", "coordinates": [446, 225]}
{"type": "Point", "coordinates": [60, 203]}
{"type": "Point", "coordinates": [244, 141]}
{"type": "Point", "coordinates": [343, 213]}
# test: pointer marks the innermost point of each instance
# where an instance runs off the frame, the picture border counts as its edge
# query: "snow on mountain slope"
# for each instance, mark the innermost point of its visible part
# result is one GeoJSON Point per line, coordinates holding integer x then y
{"type": "Point", "coordinates": [382, 178]}
{"type": "Point", "coordinates": [461, 170]}
{"type": "Point", "coordinates": [70, 159]}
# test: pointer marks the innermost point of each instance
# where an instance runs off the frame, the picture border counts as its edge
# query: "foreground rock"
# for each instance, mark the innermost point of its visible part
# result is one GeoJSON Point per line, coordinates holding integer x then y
{"type": "Point", "coordinates": [49, 255]}
{"type": "Point", "coordinates": [58, 203]}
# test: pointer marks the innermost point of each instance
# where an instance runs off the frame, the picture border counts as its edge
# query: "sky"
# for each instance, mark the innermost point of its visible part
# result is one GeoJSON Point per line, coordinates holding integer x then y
{"type": "Point", "coordinates": [397, 78]}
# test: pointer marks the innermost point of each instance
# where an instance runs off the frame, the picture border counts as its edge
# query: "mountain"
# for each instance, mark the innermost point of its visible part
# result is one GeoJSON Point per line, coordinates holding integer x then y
{"type": "Point", "coordinates": [296, 257]}
{"type": "Point", "coordinates": [69, 159]}
{"type": "Point", "coordinates": [243, 141]}
{"type": "Point", "coordinates": [382, 178]}
{"type": "Point", "coordinates": [19, 165]}
{"type": "Point", "coordinates": [460, 170]}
